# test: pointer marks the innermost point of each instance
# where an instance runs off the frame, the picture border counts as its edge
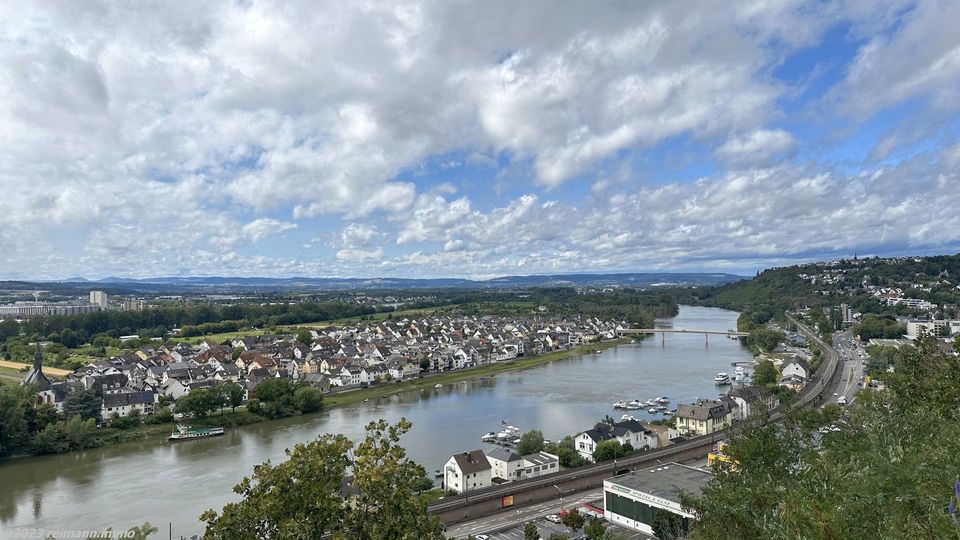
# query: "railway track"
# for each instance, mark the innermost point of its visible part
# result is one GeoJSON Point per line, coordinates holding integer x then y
{"type": "Point", "coordinates": [811, 395]}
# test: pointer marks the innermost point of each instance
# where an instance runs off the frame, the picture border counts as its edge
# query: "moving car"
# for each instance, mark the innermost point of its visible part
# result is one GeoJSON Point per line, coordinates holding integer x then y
{"type": "Point", "coordinates": [553, 518]}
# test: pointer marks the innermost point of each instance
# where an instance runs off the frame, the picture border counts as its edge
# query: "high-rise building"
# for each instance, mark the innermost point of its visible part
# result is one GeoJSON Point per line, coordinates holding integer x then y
{"type": "Point", "coordinates": [99, 298]}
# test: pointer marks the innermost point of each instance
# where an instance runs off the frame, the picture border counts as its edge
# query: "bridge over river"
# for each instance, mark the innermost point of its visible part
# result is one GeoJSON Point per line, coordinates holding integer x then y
{"type": "Point", "coordinates": [664, 331]}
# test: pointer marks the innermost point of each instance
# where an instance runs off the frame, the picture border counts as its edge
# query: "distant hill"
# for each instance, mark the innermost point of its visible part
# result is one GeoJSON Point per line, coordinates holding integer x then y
{"type": "Point", "coordinates": [192, 283]}
{"type": "Point", "coordinates": [854, 281]}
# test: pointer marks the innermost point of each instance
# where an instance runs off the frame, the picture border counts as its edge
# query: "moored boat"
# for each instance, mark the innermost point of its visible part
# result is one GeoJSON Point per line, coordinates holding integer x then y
{"type": "Point", "coordinates": [722, 379]}
{"type": "Point", "coordinates": [663, 400]}
{"type": "Point", "coordinates": [620, 404]}
{"type": "Point", "coordinates": [652, 410]}
{"type": "Point", "coordinates": [183, 433]}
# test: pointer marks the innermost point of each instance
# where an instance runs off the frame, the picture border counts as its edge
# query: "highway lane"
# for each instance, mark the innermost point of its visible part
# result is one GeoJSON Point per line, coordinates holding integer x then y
{"type": "Point", "coordinates": [850, 367]}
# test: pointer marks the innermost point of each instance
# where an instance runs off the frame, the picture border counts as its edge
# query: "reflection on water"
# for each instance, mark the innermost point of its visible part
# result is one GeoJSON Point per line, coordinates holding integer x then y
{"type": "Point", "coordinates": [156, 481]}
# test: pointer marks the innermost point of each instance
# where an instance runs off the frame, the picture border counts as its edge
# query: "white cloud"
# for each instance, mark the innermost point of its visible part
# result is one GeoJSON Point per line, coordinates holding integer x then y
{"type": "Point", "coordinates": [156, 138]}
{"type": "Point", "coordinates": [920, 58]}
{"type": "Point", "coordinates": [261, 228]}
{"type": "Point", "coordinates": [359, 255]}
{"type": "Point", "coordinates": [762, 146]}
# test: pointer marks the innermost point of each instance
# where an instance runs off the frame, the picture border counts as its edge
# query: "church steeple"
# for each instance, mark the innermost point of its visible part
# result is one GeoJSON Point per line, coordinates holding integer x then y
{"type": "Point", "coordinates": [38, 358]}
{"type": "Point", "coordinates": [35, 375]}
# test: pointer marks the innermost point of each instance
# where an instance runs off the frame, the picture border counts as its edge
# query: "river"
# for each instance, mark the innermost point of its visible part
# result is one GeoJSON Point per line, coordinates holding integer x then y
{"type": "Point", "coordinates": [163, 483]}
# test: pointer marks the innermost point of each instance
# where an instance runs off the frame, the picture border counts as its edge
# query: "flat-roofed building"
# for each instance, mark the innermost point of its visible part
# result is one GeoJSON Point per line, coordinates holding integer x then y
{"type": "Point", "coordinates": [632, 500]}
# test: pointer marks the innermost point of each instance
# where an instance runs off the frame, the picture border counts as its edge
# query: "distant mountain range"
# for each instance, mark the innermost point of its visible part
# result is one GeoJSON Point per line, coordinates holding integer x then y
{"type": "Point", "coordinates": [642, 279]}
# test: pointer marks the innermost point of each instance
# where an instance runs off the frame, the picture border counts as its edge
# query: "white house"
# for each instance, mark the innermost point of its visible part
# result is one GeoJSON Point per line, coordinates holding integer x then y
{"type": "Point", "coordinates": [539, 464]}
{"type": "Point", "coordinates": [467, 471]}
{"type": "Point", "coordinates": [626, 431]}
{"type": "Point", "coordinates": [751, 400]}
{"type": "Point", "coordinates": [505, 464]}
{"type": "Point", "coordinates": [797, 367]}
{"type": "Point", "coordinates": [124, 403]}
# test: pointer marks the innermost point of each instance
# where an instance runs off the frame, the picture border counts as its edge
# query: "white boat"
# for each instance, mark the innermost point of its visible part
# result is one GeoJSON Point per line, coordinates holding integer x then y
{"type": "Point", "coordinates": [650, 403]}
{"type": "Point", "coordinates": [663, 400]}
{"type": "Point", "coordinates": [635, 403]}
{"type": "Point", "coordinates": [620, 404]}
{"type": "Point", "coordinates": [661, 408]}
{"type": "Point", "coordinates": [652, 410]}
{"type": "Point", "coordinates": [504, 435]}
{"type": "Point", "coordinates": [490, 436]}
{"type": "Point", "coordinates": [626, 417]}
{"type": "Point", "coordinates": [438, 385]}
{"type": "Point", "coordinates": [722, 379]}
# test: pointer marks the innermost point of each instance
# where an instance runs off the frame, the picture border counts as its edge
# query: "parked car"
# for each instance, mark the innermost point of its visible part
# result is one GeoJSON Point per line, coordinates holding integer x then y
{"type": "Point", "coordinates": [842, 400]}
{"type": "Point", "coordinates": [553, 518]}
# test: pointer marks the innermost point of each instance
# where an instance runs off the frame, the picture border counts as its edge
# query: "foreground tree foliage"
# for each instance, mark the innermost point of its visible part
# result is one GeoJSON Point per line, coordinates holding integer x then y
{"type": "Point", "coordinates": [882, 468]}
{"type": "Point", "coordinates": [301, 498]}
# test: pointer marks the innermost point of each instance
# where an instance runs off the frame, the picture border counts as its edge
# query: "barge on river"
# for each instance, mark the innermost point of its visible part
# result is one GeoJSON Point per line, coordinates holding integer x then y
{"type": "Point", "coordinates": [183, 433]}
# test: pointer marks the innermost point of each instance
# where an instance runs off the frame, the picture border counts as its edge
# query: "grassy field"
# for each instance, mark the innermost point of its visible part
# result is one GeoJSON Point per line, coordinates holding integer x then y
{"type": "Point", "coordinates": [9, 375]}
{"type": "Point", "coordinates": [17, 366]}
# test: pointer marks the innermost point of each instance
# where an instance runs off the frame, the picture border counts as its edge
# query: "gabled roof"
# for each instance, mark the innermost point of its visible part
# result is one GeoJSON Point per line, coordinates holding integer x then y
{"type": "Point", "coordinates": [471, 462]}
{"type": "Point", "coordinates": [503, 454]}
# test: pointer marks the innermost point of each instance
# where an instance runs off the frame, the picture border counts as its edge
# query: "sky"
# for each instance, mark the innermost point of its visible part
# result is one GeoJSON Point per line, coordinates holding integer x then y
{"type": "Point", "coordinates": [473, 139]}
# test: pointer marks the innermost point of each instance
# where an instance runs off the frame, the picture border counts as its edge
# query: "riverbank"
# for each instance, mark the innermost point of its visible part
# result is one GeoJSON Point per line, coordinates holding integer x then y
{"type": "Point", "coordinates": [112, 436]}
{"type": "Point", "coordinates": [389, 389]}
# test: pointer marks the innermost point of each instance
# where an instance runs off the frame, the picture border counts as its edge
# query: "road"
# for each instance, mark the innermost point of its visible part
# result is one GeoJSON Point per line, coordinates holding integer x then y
{"type": "Point", "coordinates": [850, 367]}
{"type": "Point", "coordinates": [498, 522]}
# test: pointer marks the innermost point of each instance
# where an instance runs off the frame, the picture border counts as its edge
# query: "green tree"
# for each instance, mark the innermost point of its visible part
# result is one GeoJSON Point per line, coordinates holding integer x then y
{"type": "Point", "coordinates": [607, 450]}
{"type": "Point", "coordinates": [530, 531]}
{"type": "Point", "coordinates": [235, 394]}
{"type": "Point", "coordinates": [300, 498]}
{"type": "Point", "coordinates": [66, 436]}
{"type": "Point", "coordinates": [667, 525]}
{"type": "Point", "coordinates": [883, 470]}
{"type": "Point", "coordinates": [765, 373]}
{"type": "Point", "coordinates": [304, 335]}
{"type": "Point", "coordinates": [9, 328]}
{"type": "Point", "coordinates": [573, 519]}
{"type": "Point", "coordinates": [83, 403]}
{"type": "Point", "coordinates": [530, 442]}
{"type": "Point", "coordinates": [308, 399]}
{"type": "Point", "coordinates": [594, 529]}
{"type": "Point", "coordinates": [16, 410]}
{"type": "Point", "coordinates": [424, 364]}
{"type": "Point", "coordinates": [199, 403]}
{"type": "Point", "coordinates": [140, 532]}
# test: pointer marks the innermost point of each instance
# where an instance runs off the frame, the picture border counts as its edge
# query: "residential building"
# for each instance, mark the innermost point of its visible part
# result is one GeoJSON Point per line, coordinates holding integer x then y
{"type": "Point", "coordinates": [124, 403]}
{"type": "Point", "coordinates": [467, 471]}
{"type": "Point", "coordinates": [703, 417]}
{"type": "Point", "coordinates": [98, 298]}
{"type": "Point", "coordinates": [539, 464]}
{"type": "Point", "coordinates": [625, 431]}
{"type": "Point", "coordinates": [750, 400]}
{"type": "Point", "coordinates": [505, 464]}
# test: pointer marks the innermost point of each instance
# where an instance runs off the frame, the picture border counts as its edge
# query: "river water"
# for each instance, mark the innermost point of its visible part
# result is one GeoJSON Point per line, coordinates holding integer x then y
{"type": "Point", "coordinates": [163, 483]}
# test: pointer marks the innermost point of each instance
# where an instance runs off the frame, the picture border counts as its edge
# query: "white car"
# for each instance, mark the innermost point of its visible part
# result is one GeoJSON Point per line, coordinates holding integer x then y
{"type": "Point", "coordinates": [553, 518]}
{"type": "Point", "coordinates": [482, 537]}
{"type": "Point", "coordinates": [842, 400]}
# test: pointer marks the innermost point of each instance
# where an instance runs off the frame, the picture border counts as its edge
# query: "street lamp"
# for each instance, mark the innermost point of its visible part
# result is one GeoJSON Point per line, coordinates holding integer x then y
{"type": "Point", "coordinates": [561, 497]}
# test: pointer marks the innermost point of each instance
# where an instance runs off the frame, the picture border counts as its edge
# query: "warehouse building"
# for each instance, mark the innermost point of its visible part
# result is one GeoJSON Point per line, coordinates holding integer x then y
{"type": "Point", "coordinates": [633, 500]}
